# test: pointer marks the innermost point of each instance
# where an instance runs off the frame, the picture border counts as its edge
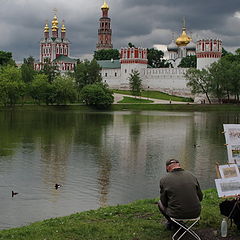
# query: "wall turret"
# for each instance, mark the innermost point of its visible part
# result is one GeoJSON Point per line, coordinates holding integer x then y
{"type": "Point", "coordinates": [208, 51]}
{"type": "Point", "coordinates": [132, 59]}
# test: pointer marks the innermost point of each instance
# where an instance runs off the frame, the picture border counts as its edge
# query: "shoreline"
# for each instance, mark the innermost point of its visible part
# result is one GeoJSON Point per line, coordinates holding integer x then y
{"type": "Point", "coordinates": [131, 107]}
{"type": "Point", "coordinates": [134, 221]}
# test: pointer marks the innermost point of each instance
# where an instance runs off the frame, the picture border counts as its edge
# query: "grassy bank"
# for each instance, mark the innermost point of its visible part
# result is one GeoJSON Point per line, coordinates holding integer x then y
{"type": "Point", "coordinates": [134, 221]}
{"type": "Point", "coordinates": [177, 107]}
{"type": "Point", "coordinates": [157, 95]}
{"type": "Point", "coordinates": [133, 107]}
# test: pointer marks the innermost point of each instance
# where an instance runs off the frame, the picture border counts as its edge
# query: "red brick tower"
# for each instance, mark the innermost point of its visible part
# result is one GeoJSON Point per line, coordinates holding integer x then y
{"type": "Point", "coordinates": [104, 31]}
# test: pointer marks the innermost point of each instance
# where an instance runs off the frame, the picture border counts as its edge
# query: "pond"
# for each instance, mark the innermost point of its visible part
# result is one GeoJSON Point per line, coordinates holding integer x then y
{"type": "Point", "coordinates": [99, 158]}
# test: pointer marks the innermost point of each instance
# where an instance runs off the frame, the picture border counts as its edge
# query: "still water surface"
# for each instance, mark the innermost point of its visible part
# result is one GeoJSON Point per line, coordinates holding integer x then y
{"type": "Point", "coordinates": [100, 158]}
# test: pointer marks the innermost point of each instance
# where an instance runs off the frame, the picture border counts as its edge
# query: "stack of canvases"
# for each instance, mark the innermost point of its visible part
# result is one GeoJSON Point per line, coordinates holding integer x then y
{"type": "Point", "coordinates": [229, 177]}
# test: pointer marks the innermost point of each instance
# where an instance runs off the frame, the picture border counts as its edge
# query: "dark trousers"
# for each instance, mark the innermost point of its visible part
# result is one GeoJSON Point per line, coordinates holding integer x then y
{"type": "Point", "coordinates": [162, 209]}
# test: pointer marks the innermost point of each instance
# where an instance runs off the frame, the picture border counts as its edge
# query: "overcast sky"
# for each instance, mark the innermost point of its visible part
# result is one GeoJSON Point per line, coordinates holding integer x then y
{"type": "Point", "coordinates": [142, 22]}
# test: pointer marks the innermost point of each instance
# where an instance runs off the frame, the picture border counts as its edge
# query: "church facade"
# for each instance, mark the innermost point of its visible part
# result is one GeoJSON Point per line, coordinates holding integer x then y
{"type": "Point", "coordinates": [55, 48]}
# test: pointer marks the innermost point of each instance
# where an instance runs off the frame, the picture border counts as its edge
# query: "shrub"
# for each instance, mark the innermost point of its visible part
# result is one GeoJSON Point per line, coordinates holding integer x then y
{"type": "Point", "coordinates": [97, 95]}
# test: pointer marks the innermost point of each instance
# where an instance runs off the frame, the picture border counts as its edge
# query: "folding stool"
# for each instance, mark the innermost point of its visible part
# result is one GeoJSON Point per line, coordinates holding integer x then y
{"type": "Point", "coordinates": [186, 225]}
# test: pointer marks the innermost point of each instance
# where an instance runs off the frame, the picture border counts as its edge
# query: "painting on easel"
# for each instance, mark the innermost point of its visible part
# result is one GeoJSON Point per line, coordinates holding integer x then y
{"type": "Point", "coordinates": [232, 136]}
{"type": "Point", "coordinates": [229, 171]}
{"type": "Point", "coordinates": [227, 187]}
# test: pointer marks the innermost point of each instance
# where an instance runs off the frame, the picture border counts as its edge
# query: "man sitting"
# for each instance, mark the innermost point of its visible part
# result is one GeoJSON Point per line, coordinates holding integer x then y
{"type": "Point", "coordinates": [180, 194]}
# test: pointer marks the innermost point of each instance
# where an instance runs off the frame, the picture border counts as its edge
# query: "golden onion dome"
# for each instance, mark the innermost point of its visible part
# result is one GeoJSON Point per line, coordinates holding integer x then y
{"type": "Point", "coordinates": [46, 28]}
{"type": "Point", "coordinates": [54, 28]}
{"type": "Point", "coordinates": [184, 39]}
{"type": "Point", "coordinates": [63, 27]}
{"type": "Point", "coordinates": [105, 6]}
{"type": "Point", "coordinates": [55, 20]}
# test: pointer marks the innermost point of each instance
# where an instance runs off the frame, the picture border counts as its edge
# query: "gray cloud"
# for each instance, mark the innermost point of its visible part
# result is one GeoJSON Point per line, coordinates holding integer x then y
{"type": "Point", "coordinates": [142, 22]}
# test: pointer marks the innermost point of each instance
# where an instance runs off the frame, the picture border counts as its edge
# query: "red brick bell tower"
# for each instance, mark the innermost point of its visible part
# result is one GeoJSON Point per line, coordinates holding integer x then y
{"type": "Point", "coordinates": [104, 31]}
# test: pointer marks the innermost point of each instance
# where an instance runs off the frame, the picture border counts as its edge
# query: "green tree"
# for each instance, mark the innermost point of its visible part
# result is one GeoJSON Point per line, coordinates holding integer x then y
{"type": "Point", "coordinates": [106, 54]}
{"type": "Point", "coordinates": [224, 52]}
{"type": "Point", "coordinates": [155, 58]}
{"type": "Point", "coordinates": [64, 90]}
{"type": "Point", "coordinates": [135, 83]}
{"type": "Point", "coordinates": [11, 85]}
{"type": "Point", "coordinates": [81, 75]}
{"type": "Point", "coordinates": [188, 62]}
{"type": "Point", "coordinates": [87, 73]}
{"type": "Point", "coordinates": [225, 77]}
{"type": "Point", "coordinates": [199, 81]}
{"type": "Point", "coordinates": [27, 69]}
{"type": "Point", "coordinates": [40, 88]}
{"type": "Point", "coordinates": [220, 84]}
{"type": "Point", "coordinates": [49, 69]}
{"type": "Point", "coordinates": [6, 58]}
{"type": "Point", "coordinates": [94, 75]}
{"type": "Point", "coordinates": [97, 95]}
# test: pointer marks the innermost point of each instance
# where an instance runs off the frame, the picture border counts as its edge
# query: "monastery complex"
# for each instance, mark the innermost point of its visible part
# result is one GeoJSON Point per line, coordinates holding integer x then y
{"type": "Point", "coordinates": [55, 47]}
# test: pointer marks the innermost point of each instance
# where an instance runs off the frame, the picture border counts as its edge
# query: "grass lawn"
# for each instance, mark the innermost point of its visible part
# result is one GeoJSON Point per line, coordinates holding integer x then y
{"type": "Point", "coordinates": [134, 100]}
{"type": "Point", "coordinates": [134, 221]}
{"type": "Point", "coordinates": [157, 95]}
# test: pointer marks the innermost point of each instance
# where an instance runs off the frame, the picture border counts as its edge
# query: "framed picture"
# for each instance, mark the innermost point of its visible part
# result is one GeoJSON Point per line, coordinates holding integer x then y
{"type": "Point", "coordinates": [227, 187]}
{"type": "Point", "coordinates": [232, 136]}
{"type": "Point", "coordinates": [234, 153]}
{"type": "Point", "coordinates": [232, 133]}
{"type": "Point", "coordinates": [229, 171]}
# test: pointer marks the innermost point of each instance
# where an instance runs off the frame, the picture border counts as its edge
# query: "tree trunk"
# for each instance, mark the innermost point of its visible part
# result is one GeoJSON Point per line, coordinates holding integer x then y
{"type": "Point", "coordinates": [208, 98]}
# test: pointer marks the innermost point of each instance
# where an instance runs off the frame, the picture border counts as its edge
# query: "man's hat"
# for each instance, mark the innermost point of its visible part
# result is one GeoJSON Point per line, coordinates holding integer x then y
{"type": "Point", "coordinates": [170, 161]}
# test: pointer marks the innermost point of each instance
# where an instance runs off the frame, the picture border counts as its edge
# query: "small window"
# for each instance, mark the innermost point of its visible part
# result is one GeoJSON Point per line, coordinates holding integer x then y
{"type": "Point", "coordinates": [105, 74]}
{"type": "Point", "coordinates": [125, 70]}
{"type": "Point", "coordinates": [115, 74]}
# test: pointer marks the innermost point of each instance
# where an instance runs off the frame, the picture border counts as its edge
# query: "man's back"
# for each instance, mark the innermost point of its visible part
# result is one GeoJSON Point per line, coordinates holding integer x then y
{"type": "Point", "coordinates": [180, 193]}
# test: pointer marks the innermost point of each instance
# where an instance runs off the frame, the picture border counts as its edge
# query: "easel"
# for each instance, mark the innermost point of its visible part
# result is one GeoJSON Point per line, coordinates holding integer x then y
{"type": "Point", "coordinates": [233, 197]}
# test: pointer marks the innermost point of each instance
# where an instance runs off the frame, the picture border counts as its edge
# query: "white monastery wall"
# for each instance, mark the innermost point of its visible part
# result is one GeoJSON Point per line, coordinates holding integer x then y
{"type": "Point", "coordinates": [112, 77]}
{"type": "Point", "coordinates": [166, 79]}
{"type": "Point", "coordinates": [170, 80]}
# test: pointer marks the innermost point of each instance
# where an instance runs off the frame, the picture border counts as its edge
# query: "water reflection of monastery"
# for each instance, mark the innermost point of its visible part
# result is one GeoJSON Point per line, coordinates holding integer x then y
{"type": "Point", "coordinates": [126, 149]}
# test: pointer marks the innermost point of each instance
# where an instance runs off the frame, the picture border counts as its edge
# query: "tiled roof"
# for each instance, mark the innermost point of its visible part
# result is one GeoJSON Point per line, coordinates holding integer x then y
{"type": "Point", "coordinates": [63, 58]}
{"type": "Point", "coordinates": [111, 64]}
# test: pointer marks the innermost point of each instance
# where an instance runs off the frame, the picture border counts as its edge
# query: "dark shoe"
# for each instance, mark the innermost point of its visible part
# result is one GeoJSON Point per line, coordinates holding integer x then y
{"type": "Point", "coordinates": [171, 226]}
{"type": "Point", "coordinates": [168, 225]}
